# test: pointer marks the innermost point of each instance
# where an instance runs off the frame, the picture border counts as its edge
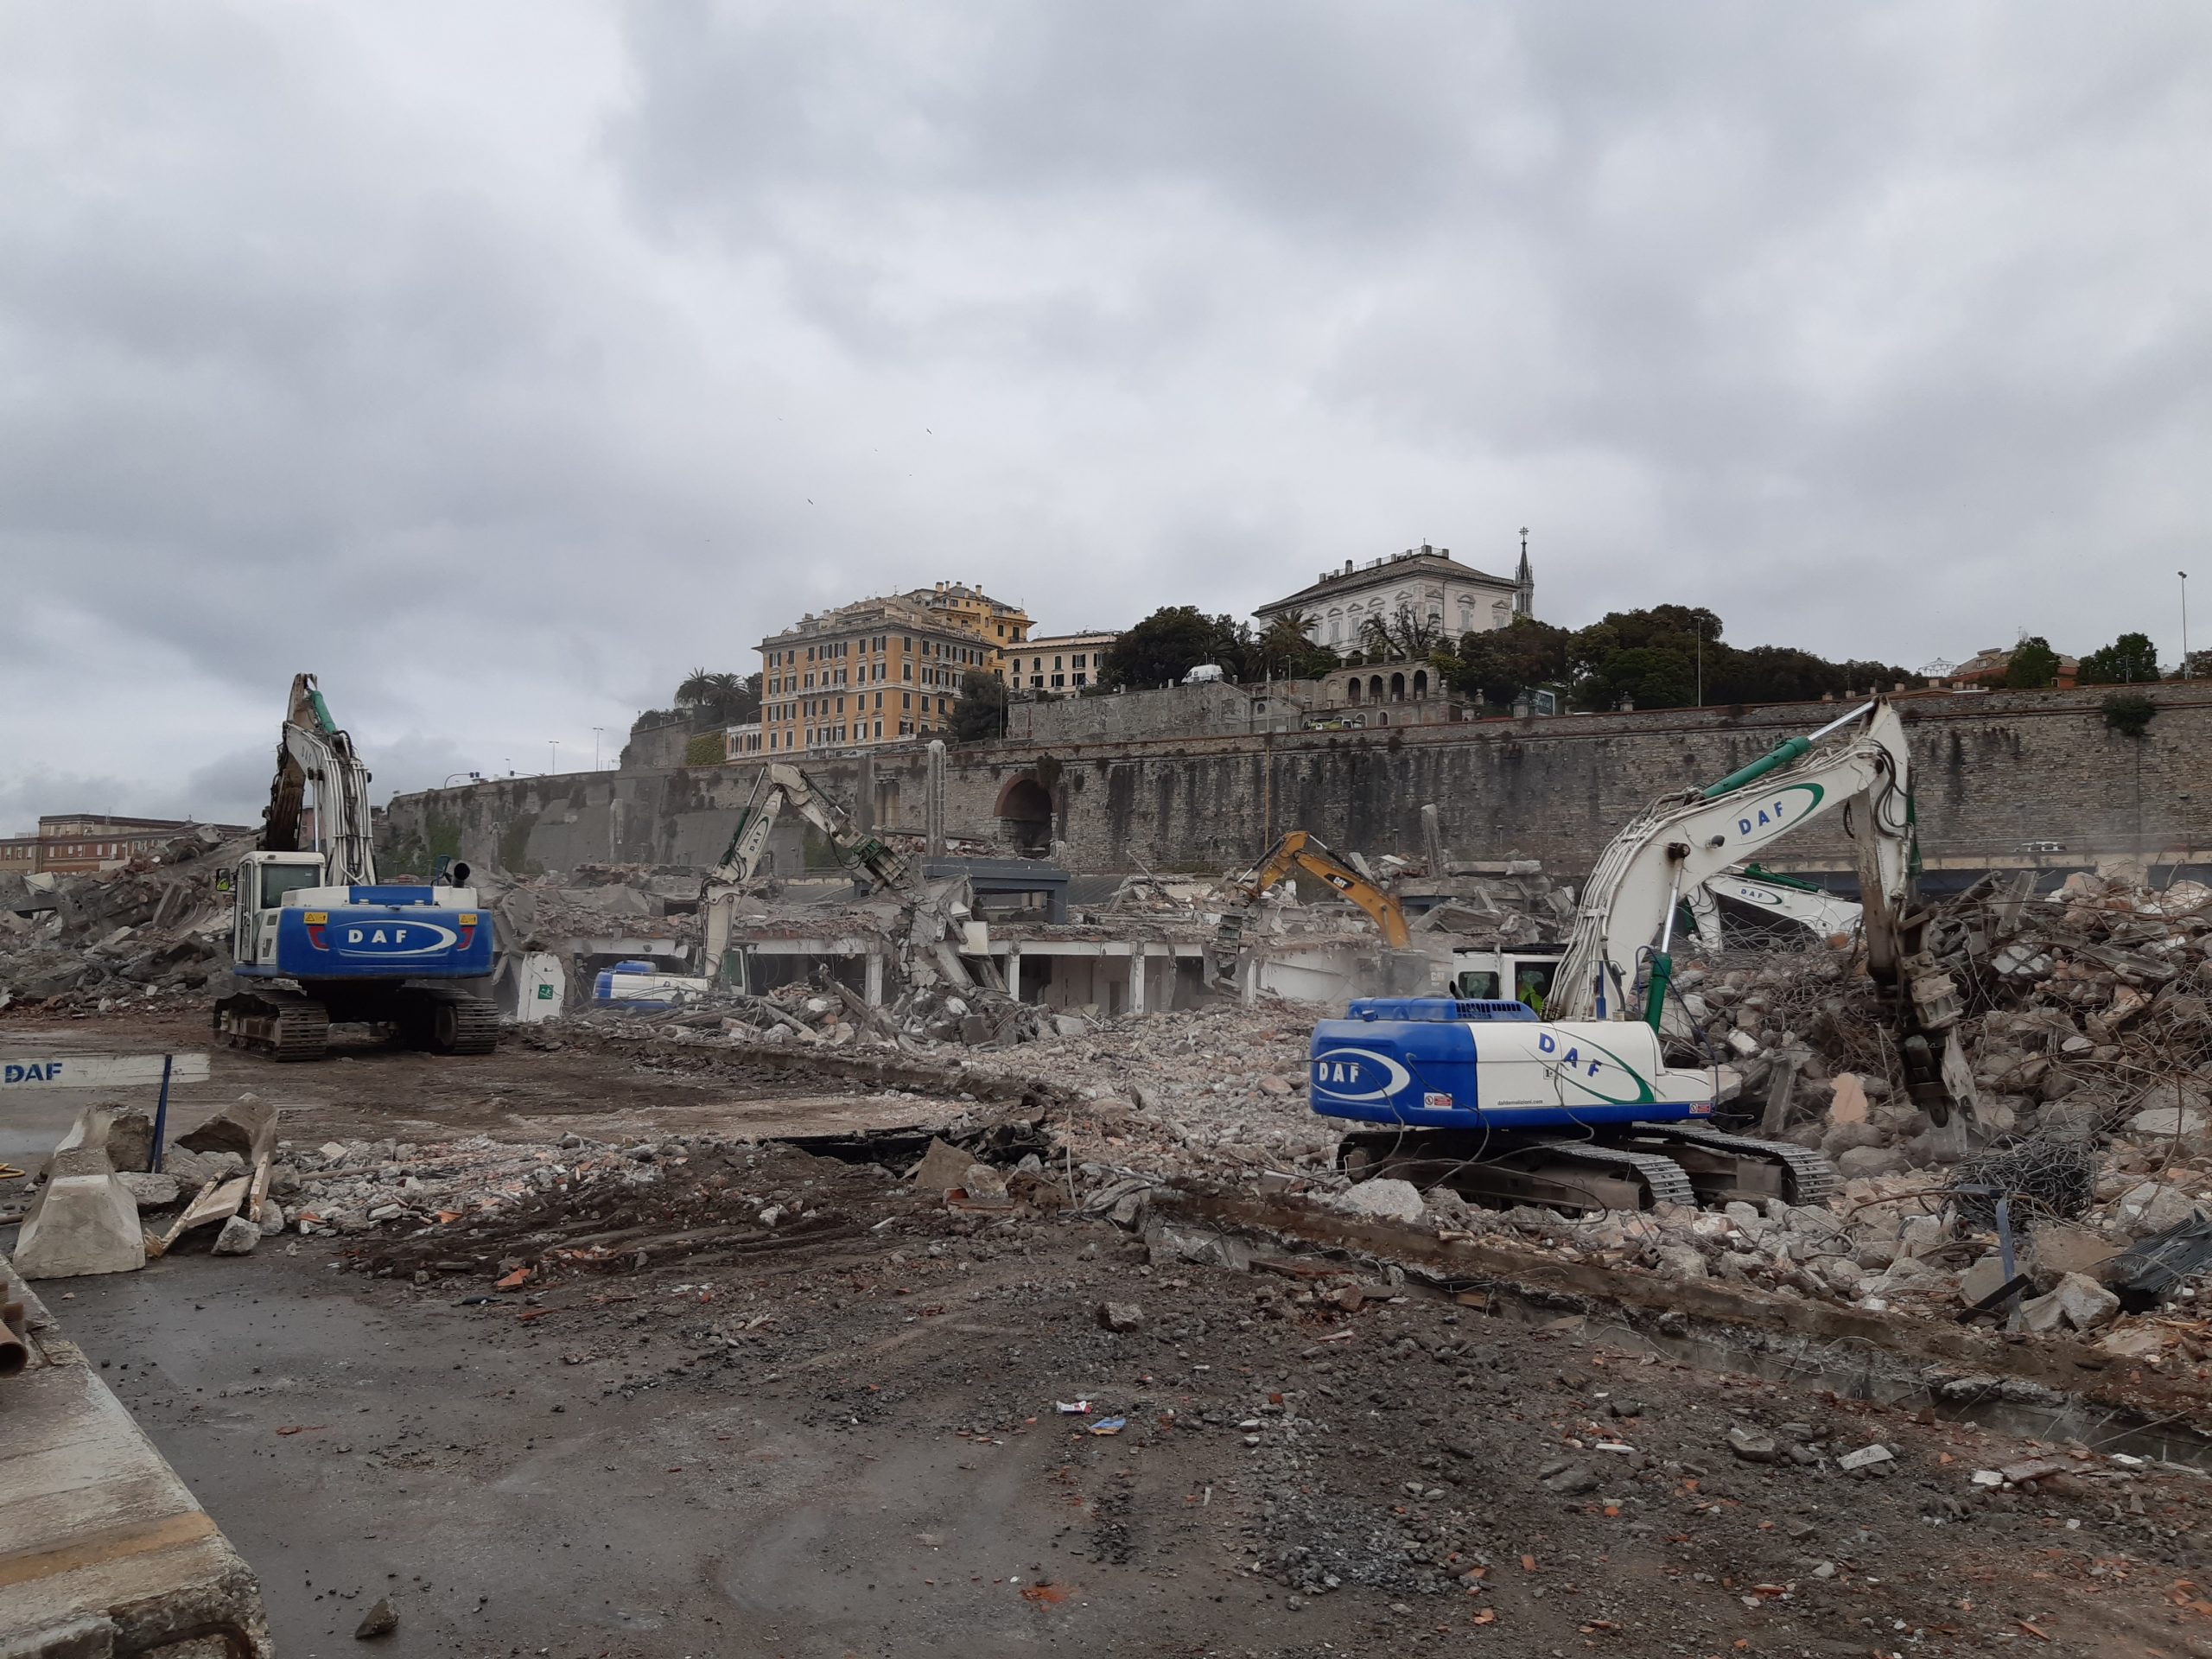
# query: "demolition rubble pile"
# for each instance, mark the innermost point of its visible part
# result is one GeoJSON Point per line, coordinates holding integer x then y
{"type": "Point", "coordinates": [154, 927]}
{"type": "Point", "coordinates": [1522, 906]}
{"type": "Point", "coordinates": [593, 900]}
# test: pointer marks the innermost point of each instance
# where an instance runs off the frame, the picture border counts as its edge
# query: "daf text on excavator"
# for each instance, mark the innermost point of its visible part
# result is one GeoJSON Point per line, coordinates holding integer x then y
{"type": "Point", "coordinates": [1587, 1107]}
{"type": "Point", "coordinates": [316, 940]}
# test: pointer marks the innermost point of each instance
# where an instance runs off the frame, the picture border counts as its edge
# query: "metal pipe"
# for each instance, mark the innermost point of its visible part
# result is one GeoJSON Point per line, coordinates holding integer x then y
{"type": "Point", "coordinates": [14, 1352]}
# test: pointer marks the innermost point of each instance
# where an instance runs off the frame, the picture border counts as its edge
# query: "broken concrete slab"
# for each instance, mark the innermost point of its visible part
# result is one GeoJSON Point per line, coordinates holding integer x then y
{"type": "Point", "coordinates": [1121, 1317]}
{"type": "Point", "coordinates": [1387, 1200]}
{"type": "Point", "coordinates": [982, 1181]}
{"type": "Point", "coordinates": [2055, 1251]}
{"type": "Point", "coordinates": [150, 1192]}
{"type": "Point", "coordinates": [238, 1237]}
{"type": "Point", "coordinates": [217, 1201]}
{"type": "Point", "coordinates": [943, 1168]}
{"type": "Point", "coordinates": [247, 1127]}
{"type": "Point", "coordinates": [1982, 1280]}
{"type": "Point", "coordinates": [84, 1220]}
{"type": "Point", "coordinates": [2085, 1303]}
{"type": "Point", "coordinates": [130, 1142]}
{"type": "Point", "coordinates": [2150, 1207]}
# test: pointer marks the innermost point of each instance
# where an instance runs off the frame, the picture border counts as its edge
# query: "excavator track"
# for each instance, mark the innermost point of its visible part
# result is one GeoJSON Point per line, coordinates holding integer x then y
{"type": "Point", "coordinates": [1805, 1176]}
{"type": "Point", "coordinates": [282, 1025]}
{"type": "Point", "coordinates": [1662, 1177]}
{"type": "Point", "coordinates": [464, 1024]}
{"type": "Point", "coordinates": [1580, 1175]}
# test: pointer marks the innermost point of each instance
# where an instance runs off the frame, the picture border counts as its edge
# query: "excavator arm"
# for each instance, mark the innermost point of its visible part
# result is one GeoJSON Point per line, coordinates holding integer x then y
{"type": "Point", "coordinates": [1682, 842]}
{"type": "Point", "coordinates": [314, 750]}
{"type": "Point", "coordinates": [782, 788]}
{"type": "Point", "coordinates": [1777, 898]}
{"type": "Point", "coordinates": [1296, 851]}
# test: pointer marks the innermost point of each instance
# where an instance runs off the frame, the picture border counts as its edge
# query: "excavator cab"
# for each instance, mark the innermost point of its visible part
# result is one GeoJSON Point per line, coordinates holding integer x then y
{"type": "Point", "coordinates": [1504, 976]}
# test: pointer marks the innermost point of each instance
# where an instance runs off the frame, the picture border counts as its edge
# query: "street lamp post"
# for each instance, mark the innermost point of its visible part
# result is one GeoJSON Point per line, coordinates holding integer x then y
{"type": "Point", "coordinates": [595, 732]}
{"type": "Point", "coordinates": [2183, 574]}
{"type": "Point", "coordinates": [555, 742]}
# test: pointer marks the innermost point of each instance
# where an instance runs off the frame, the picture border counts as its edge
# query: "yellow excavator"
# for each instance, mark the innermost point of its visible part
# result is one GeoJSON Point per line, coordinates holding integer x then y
{"type": "Point", "coordinates": [1298, 851]}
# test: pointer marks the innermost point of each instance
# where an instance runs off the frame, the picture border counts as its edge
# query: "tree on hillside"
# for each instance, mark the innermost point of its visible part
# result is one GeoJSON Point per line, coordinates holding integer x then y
{"type": "Point", "coordinates": [1286, 650]}
{"type": "Point", "coordinates": [2132, 659]}
{"type": "Point", "coordinates": [1497, 665]}
{"type": "Point", "coordinates": [2034, 665]}
{"type": "Point", "coordinates": [979, 712]}
{"type": "Point", "coordinates": [720, 699]}
{"type": "Point", "coordinates": [1169, 644]}
{"type": "Point", "coordinates": [1672, 656]}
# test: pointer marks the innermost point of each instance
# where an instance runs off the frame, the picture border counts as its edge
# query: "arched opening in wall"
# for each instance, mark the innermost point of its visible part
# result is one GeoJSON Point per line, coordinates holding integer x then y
{"type": "Point", "coordinates": [1024, 815]}
{"type": "Point", "coordinates": [1397, 688]}
{"type": "Point", "coordinates": [1420, 682]}
{"type": "Point", "coordinates": [1351, 689]}
{"type": "Point", "coordinates": [1382, 719]}
{"type": "Point", "coordinates": [1375, 688]}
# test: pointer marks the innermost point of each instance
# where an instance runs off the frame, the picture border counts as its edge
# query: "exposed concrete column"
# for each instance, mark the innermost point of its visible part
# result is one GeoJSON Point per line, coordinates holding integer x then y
{"type": "Point", "coordinates": [864, 792]}
{"type": "Point", "coordinates": [873, 990]}
{"type": "Point", "coordinates": [1136, 979]}
{"type": "Point", "coordinates": [933, 802]}
{"type": "Point", "coordinates": [1013, 975]}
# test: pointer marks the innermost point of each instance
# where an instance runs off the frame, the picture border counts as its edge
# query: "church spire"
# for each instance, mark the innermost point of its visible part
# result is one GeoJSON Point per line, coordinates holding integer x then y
{"type": "Point", "coordinates": [1524, 579]}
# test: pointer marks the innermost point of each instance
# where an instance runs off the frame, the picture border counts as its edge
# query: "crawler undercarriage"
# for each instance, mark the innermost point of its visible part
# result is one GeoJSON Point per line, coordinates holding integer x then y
{"type": "Point", "coordinates": [1636, 1166]}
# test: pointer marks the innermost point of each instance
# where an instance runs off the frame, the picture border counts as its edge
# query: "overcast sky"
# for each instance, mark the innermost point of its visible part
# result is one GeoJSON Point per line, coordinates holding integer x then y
{"type": "Point", "coordinates": [499, 363]}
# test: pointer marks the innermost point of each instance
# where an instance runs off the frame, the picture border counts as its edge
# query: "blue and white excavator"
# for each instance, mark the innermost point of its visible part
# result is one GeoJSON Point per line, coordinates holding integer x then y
{"type": "Point", "coordinates": [1589, 1106]}
{"type": "Point", "coordinates": [315, 940]}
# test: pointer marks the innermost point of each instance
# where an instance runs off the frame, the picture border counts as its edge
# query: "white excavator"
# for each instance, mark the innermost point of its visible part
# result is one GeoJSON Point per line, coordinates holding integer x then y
{"type": "Point", "coordinates": [1780, 908]}
{"type": "Point", "coordinates": [1586, 1105]}
{"type": "Point", "coordinates": [1779, 905]}
{"type": "Point", "coordinates": [782, 787]}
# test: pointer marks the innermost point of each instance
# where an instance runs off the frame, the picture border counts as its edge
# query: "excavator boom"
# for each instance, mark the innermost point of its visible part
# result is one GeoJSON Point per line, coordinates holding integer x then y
{"type": "Point", "coordinates": [1298, 850]}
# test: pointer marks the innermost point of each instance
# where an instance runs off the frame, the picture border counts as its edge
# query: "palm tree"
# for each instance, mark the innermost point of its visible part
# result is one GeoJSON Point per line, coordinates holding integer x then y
{"type": "Point", "coordinates": [697, 687]}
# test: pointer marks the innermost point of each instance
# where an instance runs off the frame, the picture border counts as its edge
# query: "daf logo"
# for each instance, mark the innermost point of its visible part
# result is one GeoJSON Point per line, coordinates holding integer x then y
{"type": "Point", "coordinates": [1358, 1074]}
{"type": "Point", "coordinates": [1778, 810]}
{"type": "Point", "coordinates": [396, 938]}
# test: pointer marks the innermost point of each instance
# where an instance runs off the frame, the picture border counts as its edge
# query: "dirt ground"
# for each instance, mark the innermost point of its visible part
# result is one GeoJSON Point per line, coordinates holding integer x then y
{"type": "Point", "coordinates": [766, 1402]}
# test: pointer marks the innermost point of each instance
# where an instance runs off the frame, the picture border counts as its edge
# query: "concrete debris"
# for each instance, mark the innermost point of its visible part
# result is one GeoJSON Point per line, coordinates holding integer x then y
{"type": "Point", "coordinates": [1121, 1317]}
{"type": "Point", "coordinates": [246, 1128]}
{"type": "Point", "coordinates": [238, 1237]}
{"type": "Point", "coordinates": [1387, 1200]}
{"type": "Point", "coordinates": [149, 930]}
{"type": "Point", "coordinates": [84, 1220]}
{"type": "Point", "coordinates": [943, 1166]}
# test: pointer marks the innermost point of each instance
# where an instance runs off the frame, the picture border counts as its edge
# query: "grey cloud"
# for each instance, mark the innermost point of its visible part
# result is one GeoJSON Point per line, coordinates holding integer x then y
{"type": "Point", "coordinates": [501, 365]}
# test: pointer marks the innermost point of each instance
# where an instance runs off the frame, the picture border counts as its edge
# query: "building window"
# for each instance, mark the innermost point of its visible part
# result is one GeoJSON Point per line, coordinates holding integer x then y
{"type": "Point", "coordinates": [1083, 679]}
{"type": "Point", "coordinates": [1058, 680]}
